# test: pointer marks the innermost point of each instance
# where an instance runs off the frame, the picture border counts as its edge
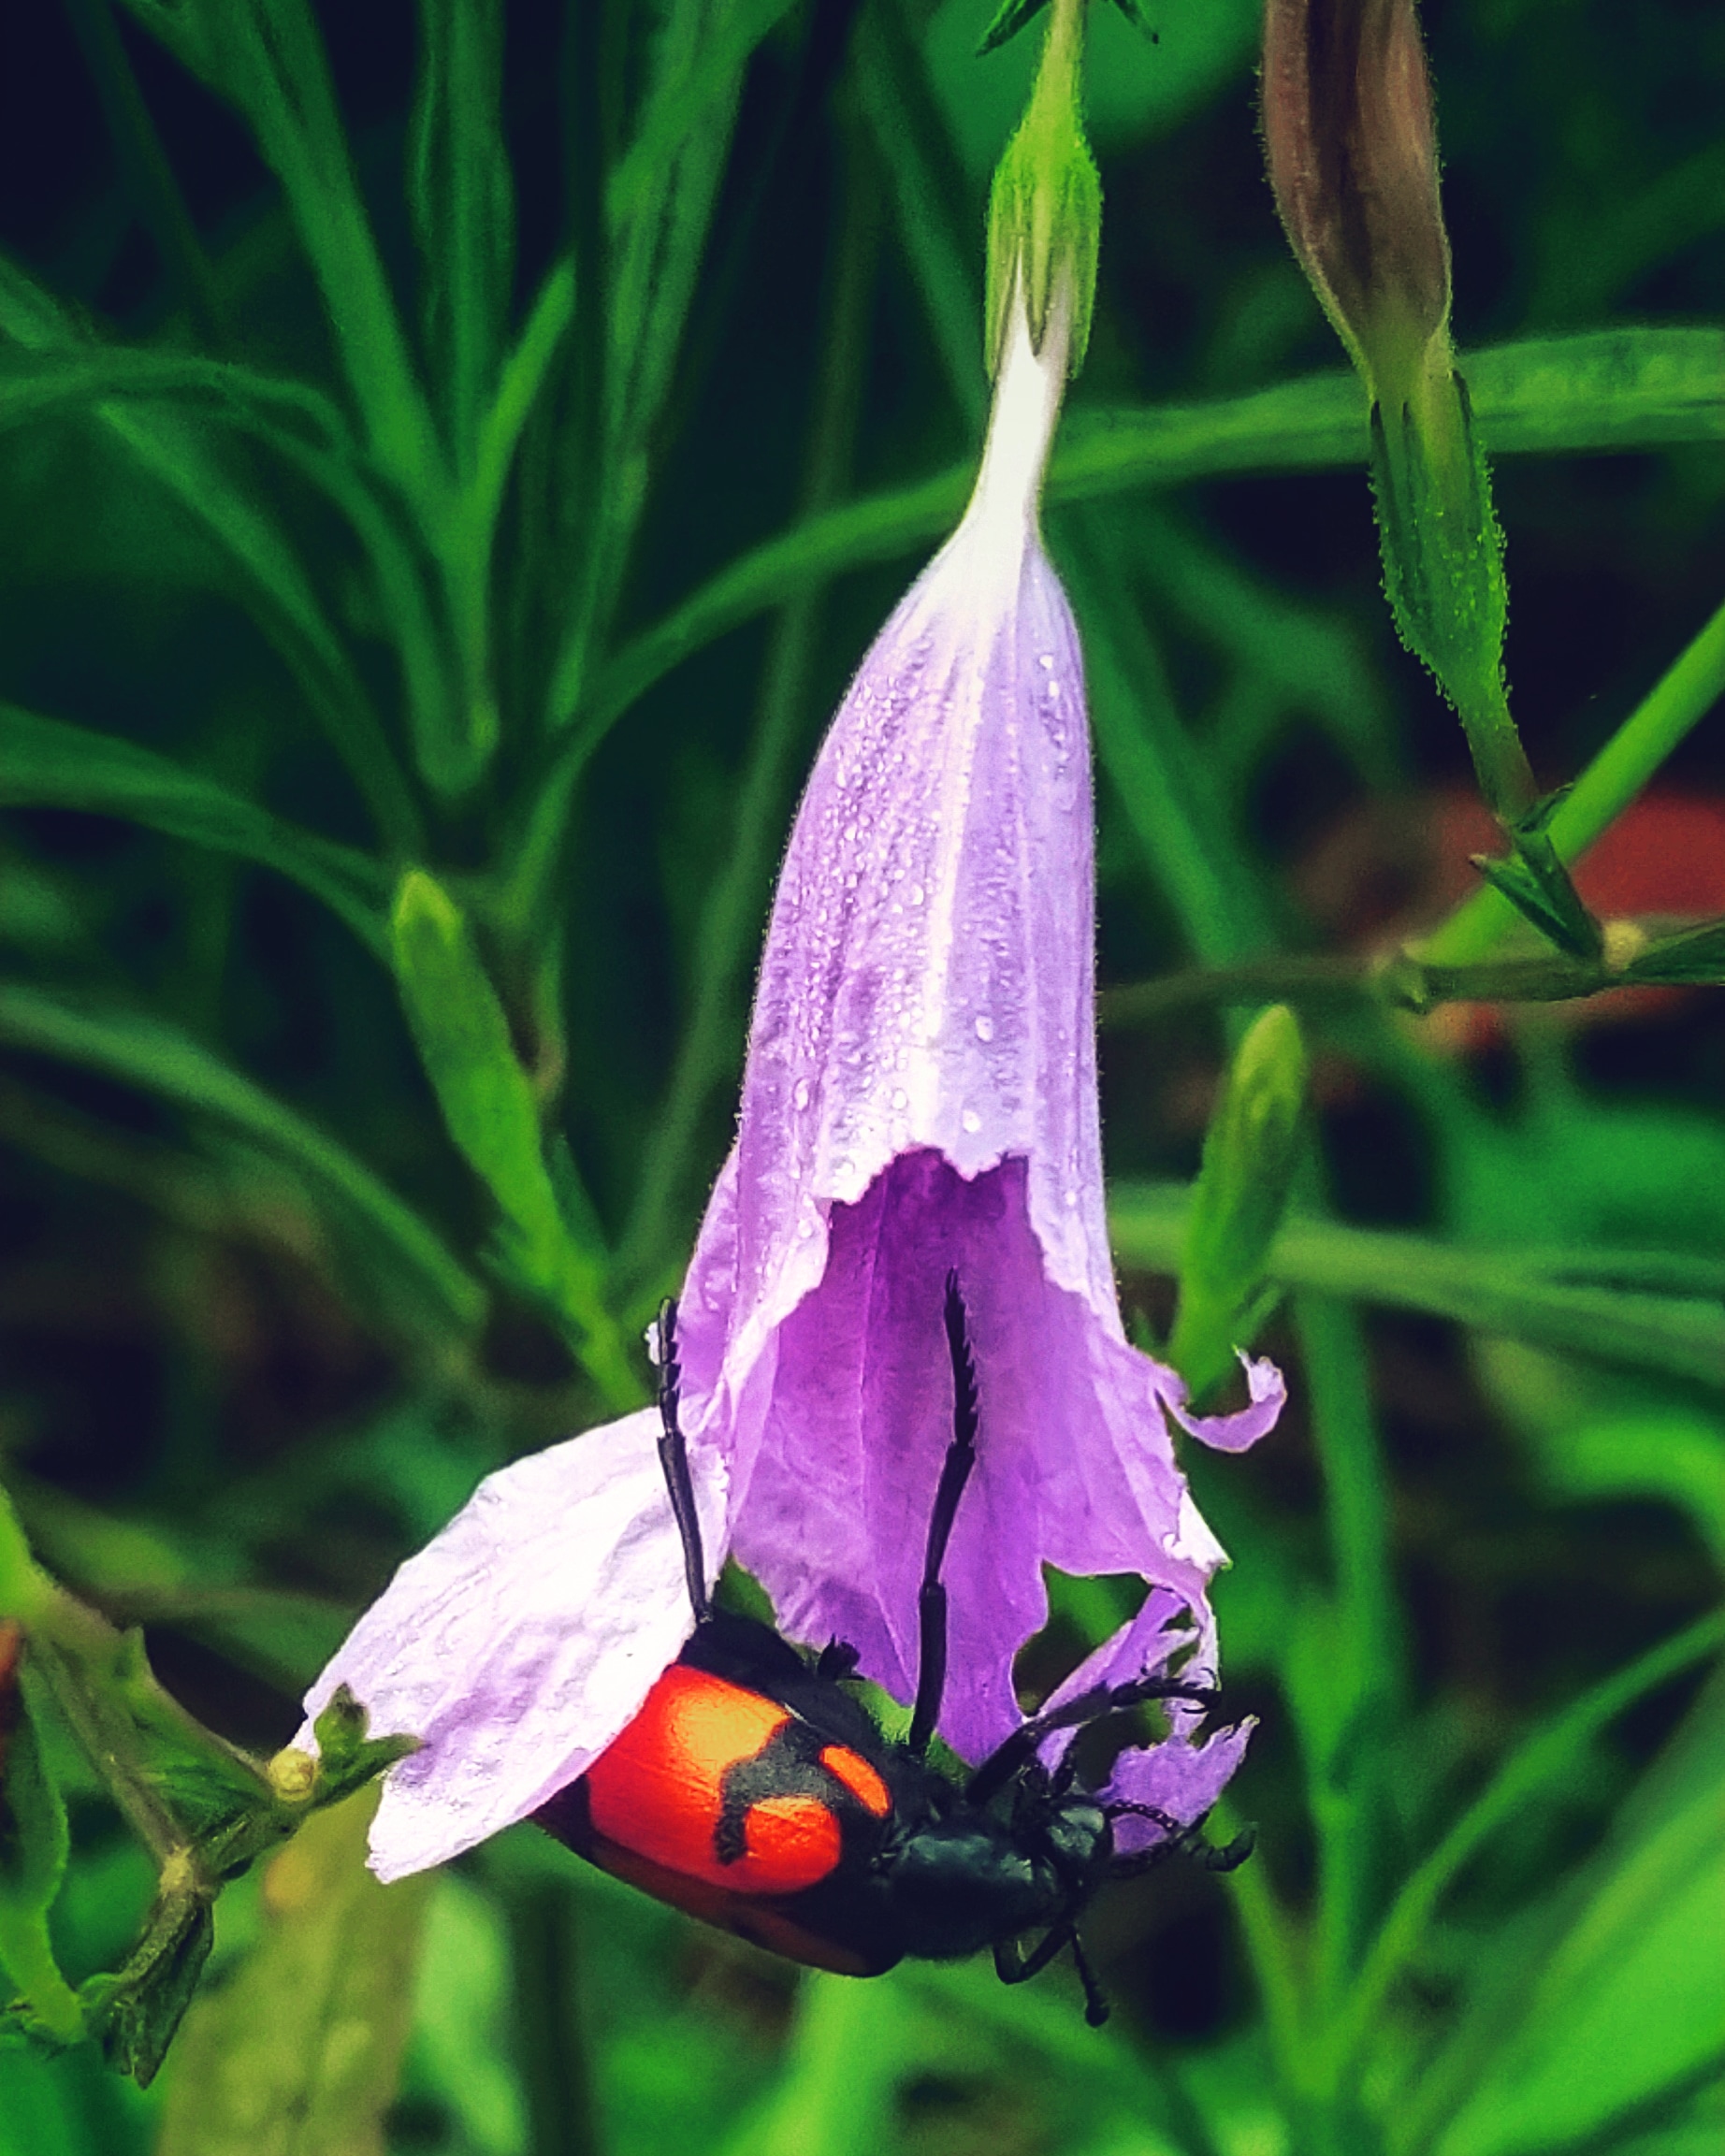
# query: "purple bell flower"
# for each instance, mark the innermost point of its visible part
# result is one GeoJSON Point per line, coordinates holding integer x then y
{"type": "Point", "coordinates": [919, 1099]}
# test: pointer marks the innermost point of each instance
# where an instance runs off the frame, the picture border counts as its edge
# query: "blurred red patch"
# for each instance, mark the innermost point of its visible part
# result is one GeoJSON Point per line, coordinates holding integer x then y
{"type": "Point", "coordinates": [1389, 872]}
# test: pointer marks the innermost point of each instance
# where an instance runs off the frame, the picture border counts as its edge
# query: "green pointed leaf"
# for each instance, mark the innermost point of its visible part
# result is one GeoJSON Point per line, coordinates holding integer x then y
{"type": "Point", "coordinates": [1250, 1153]}
{"type": "Point", "coordinates": [492, 1114]}
{"type": "Point", "coordinates": [463, 199]}
{"type": "Point", "coordinates": [44, 763]}
{"type": "Point", "coordinates": [1694, 955]}
{"type": "Point", "coordinates": [1013, 16]}
{"type": "Point", "coordinates": [682, 97]}
{"type": "Point", "coordinates": [301, 2052]}
{"type": "Point", "coordinates": [175, 450]}
{"type": "Point", "coordinates": [1536, 883]}
{"type": "Point", "coordinates": [135, 2013]}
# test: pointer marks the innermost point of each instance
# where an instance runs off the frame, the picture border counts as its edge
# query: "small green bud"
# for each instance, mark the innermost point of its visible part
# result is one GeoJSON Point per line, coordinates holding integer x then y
{"type": "Point", "coordinates": [1250, 1150]}
{"type": "Point", "coordinates": [459, 1026]}
{"type": "Point", "coordinates": [491, 1112]}
{"type": "Point", "coordinates": [292, 1775]}
{"type": "Point", "coordinates": [1045, 206]}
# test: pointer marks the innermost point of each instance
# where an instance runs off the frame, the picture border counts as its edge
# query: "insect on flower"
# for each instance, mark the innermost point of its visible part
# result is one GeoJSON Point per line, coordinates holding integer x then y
{"type": "Point", "coordinates": [755, 1792]}
{"type": "Point", "coordinates": [902, 1291]}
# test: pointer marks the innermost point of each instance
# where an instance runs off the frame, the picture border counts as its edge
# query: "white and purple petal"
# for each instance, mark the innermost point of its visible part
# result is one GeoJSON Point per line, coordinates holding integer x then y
{"type": "Point", "coordinates": [523, 1638]}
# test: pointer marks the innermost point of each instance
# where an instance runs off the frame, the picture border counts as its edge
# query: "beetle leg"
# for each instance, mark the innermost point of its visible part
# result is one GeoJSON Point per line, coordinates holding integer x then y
{"type": "Point", "coordinates": [674, 1459]}
{"type": "Point", "coordinates": [1013, 1966]}
{"type": "Point", "coordinates": [1009, 1758]}
{"type": "Point", "coordinates": [1187, 1842]}
{"type": "Point", "coordinates": [955, 1473]}
{"type": "Point", "coordinates": [1095, 1998]}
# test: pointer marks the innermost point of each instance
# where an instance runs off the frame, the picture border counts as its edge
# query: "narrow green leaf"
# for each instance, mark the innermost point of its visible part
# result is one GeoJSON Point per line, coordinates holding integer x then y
{"type": "Point", "coordinates": [300, 2054]}
{"type": "Point", "coordinates": [44, 763]}
{"type": "Point", "coordinates": [1627, 1999]}
{"type": "Point", "coordinates": [168, 445]}
{"type": "Point", "coordinates": [1614, 389]}
{"type": "Point", "coordinates": [657, 245]}
{"type": "Point", "coordinates": [702, 75]}
{"type": "Point", "coordinates": [266, 57]}
{"type": "Point", "coordinates": [1494, 1290]}
{"type": "Point", "coordinates": [463, 199]}
{"type": "Point", "coordinates": [1546, 1756]}
{"type": "Point", "coordinates": [1694, 955]}
{"type": "Point", "coordinates": [936, 214]}
{"type": "Point", "coordinates": [35, 384]}
{"type": "Point", "coordinates": [33, 1852]}
{"type": "Point", "coordinates": [162, 1061]}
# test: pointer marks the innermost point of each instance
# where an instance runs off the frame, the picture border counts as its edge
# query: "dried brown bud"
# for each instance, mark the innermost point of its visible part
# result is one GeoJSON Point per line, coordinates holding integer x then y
{"type": "Point", "coordinates": [1353, 158]}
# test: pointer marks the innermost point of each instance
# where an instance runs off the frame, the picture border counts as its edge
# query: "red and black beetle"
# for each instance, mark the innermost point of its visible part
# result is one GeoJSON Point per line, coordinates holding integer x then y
{"type": "Point", "coordinates": [755, 1792]}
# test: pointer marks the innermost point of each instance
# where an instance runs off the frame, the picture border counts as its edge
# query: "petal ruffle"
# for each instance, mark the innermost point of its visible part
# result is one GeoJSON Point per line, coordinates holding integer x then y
{"type": "Point", "coordinates": [1074, 1465]}
{"type": "Point", "coordinates": [520, 1640]}
{"type": "Point", "coordinates": [1178, 1778]}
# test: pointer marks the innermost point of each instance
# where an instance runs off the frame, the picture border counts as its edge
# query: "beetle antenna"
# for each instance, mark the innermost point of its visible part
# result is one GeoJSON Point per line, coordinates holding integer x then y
{"type": "Point", "coordinates": [673, 1458]}
{"type": "Point", "coordinates": [955, 1473]}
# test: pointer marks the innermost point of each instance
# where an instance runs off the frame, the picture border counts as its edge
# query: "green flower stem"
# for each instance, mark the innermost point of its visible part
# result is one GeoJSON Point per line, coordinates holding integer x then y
{"type": "Point", "coordinates": [1677, 702]}
{"type": "Point", "coordinates": [1545, 1756]}
{"type": "Point", "coordinates": [30, 1962]}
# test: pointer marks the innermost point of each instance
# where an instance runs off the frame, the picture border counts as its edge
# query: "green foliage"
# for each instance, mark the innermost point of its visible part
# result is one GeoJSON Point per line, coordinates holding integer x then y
{"type": "Point", "coordinates": [433, 541]}
{"type": "Point", "coordinates": [33, 1853]}
{"type": "Point", "coordinates": [300, 2050]}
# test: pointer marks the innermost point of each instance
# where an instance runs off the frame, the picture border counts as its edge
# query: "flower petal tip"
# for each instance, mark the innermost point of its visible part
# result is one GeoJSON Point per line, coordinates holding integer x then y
{"type": "Point", "coordinates": [1267, 1395]}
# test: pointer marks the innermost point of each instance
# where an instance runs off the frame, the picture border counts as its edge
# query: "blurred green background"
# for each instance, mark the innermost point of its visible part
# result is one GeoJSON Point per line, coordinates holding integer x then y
{"type": "Point", "coordinates": [503, 469]}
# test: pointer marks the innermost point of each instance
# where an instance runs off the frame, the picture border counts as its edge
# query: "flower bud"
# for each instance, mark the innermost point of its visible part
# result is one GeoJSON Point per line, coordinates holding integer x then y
{"type": "Point", "coordinates": [1250, 1153]}
{"type": "Point", "coordinates": [1352, 148]}
{"type": "Point", "coordinates": [1353, 160]}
